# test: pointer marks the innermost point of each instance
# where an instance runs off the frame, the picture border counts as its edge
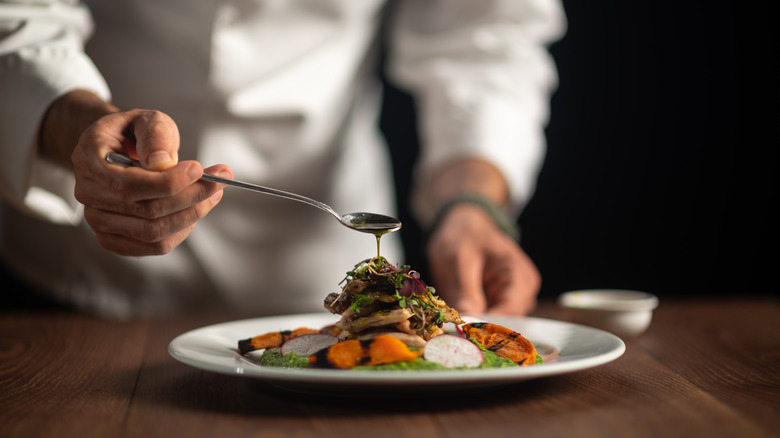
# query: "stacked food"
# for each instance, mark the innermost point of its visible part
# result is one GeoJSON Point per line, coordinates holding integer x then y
{"type": "Point", "coordinates": [389, 316]}
{"type": "Point", "coordinates": [381, 299]}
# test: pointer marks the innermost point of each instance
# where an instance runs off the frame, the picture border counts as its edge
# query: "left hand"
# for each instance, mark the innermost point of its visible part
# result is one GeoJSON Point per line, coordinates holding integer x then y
{"type": "Point", "coordinates": [476, 268]}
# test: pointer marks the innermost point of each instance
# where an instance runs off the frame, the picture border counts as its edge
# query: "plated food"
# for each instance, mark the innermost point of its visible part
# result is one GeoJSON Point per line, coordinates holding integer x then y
{"type": "Point", "coordinates": [390, 319]}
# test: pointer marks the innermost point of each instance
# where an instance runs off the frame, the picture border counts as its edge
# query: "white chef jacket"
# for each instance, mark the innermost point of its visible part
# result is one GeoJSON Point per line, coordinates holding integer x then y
{"type": "Point", "coordinates": [283, 92]}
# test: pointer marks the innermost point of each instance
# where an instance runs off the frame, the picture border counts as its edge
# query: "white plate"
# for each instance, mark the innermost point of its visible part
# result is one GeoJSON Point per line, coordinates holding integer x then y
{"type": "Point", "coordinates": [566, 347]}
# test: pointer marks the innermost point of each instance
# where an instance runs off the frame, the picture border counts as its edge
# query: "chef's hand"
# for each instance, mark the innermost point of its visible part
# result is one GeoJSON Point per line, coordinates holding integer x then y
{"type": "Point", "coordinates": [133, 211]}
{"type": "Point", "coordinates": [141, 211]}
{"type": "Point", "coordinates": [477, 268]}
{"type": "Point", "coordinates": [473, 264]}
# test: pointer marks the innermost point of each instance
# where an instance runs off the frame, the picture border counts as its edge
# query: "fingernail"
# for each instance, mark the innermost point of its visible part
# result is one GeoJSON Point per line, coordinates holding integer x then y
{"type": "Point", "coordinates": [159, 157]}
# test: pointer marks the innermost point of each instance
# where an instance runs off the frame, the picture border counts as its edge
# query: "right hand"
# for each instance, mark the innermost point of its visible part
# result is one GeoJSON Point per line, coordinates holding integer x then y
{"type": "Point", "coordinates": [478, 269]}
{"type": "Point", "coordinates": [141, 211]}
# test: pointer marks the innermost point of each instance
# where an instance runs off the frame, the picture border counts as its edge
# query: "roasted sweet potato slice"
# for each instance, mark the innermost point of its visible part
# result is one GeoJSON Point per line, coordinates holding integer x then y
{"type": "Point", "coordinates": [380, 350]}
{"type": "Point", "coordinates": [502, 341]}
{"type": "Point", "coordinates": [346, 354]}
{"type": "Point", "coordinates": [272, 339]}
{"type": "Point", "coordinates": [389, 349]}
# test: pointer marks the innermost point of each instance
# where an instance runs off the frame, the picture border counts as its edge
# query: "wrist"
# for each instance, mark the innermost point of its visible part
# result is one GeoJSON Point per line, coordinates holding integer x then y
{"type": "Point", "coordinates": [499, 217]}
{"type": "Point", "coordinates": [454, 184]}
{"type": "Point", "coordinates": [64, 121]}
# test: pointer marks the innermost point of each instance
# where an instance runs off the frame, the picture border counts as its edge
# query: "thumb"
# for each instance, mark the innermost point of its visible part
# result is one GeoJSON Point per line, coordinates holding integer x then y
{"type": "Point", "coordinates": [156, 140]}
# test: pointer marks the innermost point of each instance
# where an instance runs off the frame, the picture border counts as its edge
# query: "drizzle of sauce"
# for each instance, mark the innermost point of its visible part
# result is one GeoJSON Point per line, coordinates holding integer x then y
{"type": "Point", "coordinates": [378, 229]}
{"type": "Point", "coordinates": [378, 234]}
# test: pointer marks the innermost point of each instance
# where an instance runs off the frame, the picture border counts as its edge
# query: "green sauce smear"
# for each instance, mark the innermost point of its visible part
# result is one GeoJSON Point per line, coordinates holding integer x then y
{"type": "Point", "coordinates": [272, 357]}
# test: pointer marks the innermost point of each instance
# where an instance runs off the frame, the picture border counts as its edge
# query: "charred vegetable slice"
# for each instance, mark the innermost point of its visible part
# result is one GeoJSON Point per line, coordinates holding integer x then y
{"type": "Point", "coordinates": [343, 355]}
{"type": "Point", "coordinates": [502, 341]}
{"type": "Point", "coordinates": [380, 350]}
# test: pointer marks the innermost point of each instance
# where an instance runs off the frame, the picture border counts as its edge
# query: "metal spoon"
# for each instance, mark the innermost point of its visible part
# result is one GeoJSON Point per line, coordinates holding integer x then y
{"type": "Point", "coordinates": [373, 223]}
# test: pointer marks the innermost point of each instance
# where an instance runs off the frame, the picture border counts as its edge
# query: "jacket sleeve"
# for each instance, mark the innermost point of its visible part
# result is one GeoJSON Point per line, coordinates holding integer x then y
{"type": "Point", "coordinates": [41, 58]}
{"type": "Point", "coordinates": [482, 76]}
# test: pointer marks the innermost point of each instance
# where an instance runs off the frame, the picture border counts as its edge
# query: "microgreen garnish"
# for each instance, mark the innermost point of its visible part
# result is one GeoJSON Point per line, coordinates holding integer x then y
{"type": "Point", "coordinates": [358, 301]}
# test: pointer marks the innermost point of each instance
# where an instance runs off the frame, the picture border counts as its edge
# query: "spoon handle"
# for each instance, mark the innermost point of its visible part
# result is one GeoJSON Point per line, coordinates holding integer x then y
{"type": "Point", "coordinates": [124, 161]}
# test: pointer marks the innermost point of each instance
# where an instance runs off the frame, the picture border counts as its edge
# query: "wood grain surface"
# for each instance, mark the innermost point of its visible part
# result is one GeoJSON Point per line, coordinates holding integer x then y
{"type": "Point", "coordinates": [704, 368]}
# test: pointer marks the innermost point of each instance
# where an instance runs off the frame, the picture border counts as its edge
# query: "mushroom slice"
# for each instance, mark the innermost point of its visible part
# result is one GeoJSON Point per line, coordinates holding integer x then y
{"type": "Point", "coordinates": [376, 319]}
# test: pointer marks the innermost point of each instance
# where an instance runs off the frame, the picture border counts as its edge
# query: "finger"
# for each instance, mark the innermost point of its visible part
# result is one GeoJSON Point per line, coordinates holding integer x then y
{"type": "Point", "coordinates": [514, 299]}
{"type": "Point", "coordinates": [156, 140]}
{"type": "Point", "coordinates": [138, 185]}
{"type": "Point", "coordinates": [98, 181]}
{"type": "Point", "coordinates": [512, 284]}
{"type": "Point", "coordinates": [125, 246]}
{"type": "Point", "coordinates": [142, 193]}
{"type": "Point", "coordinates": [220, 170]}
{"type": "Point", "coordinates": [162, 193]}
{"type": "Point", "coordinates": [120, 132]}
{"type": "Point", "coordinates": [460, 282]}
{"type": "Point", "coordinates": [470, 291]}
{"type": "Point", "coordinates": [149, 230]}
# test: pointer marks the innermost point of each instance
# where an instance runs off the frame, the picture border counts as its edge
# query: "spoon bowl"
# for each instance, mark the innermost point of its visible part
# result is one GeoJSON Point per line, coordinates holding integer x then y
{"type": "Point", "coordinates": [370, 222]}
{"type": "Point", "coordinates": [373, 223]}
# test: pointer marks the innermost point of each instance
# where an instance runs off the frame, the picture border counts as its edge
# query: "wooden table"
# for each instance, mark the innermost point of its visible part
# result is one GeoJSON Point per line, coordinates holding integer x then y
{"type": "Point", "coordinates": [704, 369]}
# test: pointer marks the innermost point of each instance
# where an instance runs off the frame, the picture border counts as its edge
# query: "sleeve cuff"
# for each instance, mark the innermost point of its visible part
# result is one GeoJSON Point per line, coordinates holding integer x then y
{"type": "Point", "coordinates": [30, 79]}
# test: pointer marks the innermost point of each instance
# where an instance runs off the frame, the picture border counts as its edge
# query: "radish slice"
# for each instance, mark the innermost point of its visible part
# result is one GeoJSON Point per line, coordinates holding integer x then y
{"type": "Point", "coordinates": [453, 351]}
{"type": "Point", "coordinates": [306, 345]}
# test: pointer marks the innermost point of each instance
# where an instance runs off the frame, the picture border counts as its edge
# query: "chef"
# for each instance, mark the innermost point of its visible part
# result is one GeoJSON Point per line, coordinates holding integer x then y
{"type": "Point", "coordinates": [278, 93]}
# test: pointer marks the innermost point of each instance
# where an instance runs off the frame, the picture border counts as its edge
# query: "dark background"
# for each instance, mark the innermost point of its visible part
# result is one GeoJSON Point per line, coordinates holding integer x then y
{"type": "Point", "coordinates": [661, 169]}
